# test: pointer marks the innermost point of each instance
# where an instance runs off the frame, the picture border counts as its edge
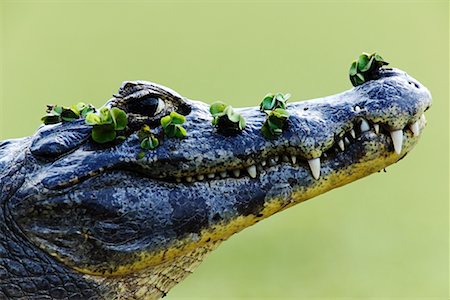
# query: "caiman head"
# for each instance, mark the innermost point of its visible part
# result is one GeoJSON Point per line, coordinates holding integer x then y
{"type": "Point", "coordinates": [135, 226]}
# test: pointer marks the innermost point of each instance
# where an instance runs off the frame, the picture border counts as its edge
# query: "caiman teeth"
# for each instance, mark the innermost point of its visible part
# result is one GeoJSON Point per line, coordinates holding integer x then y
{"type": "Point", "coordinates": [252, 171]}
{"type": "Point", "coordinates": [377, 128]}
{"type": "Point", "coordinates": [364, 125]}
{"type": "Point", "coordinates": [415, 128]}
{"type": "Point", "coordinates": [341, 144]}
{"type": "Point", "coordinates": [397, 139]}
{"type": "Point", "coordinates": [422, 117]}
{"type": "Point", "coordinates": [294, 159]}
{"type": "Point", "coordinates": [314, 164]}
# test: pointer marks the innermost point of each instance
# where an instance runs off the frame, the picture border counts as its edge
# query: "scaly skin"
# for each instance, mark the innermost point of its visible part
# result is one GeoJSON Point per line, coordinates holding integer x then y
{"type": "Point", "coordinates": [80, 220]}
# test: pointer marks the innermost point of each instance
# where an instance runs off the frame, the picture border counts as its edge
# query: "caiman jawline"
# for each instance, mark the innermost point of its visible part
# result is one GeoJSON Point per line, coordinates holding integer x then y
{"type": "Point", "coordinates": [341, 143]}
{"type": "Point", "coordinates": [271, 158]}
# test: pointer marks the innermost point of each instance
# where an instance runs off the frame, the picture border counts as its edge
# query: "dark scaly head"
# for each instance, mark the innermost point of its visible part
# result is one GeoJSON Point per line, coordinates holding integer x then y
{"type": "Point", "coordinates": [138, 226]}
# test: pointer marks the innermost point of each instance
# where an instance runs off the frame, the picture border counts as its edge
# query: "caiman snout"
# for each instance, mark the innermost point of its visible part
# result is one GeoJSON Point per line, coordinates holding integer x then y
{"type": "Point", "coordinates": [391, 106]}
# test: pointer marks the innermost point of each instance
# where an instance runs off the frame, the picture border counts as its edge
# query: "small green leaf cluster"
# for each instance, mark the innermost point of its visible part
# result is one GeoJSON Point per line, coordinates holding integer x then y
{"type": "Point", "coordinates": [57, 114]}
{"type": "Point", "coordinates": [275, 121]}
{"type": "Point", "coordinates": [273, 101]}
{"type": "Point", "coordinates": [171, 125]}
{"type": "Point", "coordinates": [147, 139]}
{"type": "Point", "coordinates": [225, 118]}
{"type": "Point", "coordinates": [106, 124]}
{"type": "Point", "coordinates": [365, 67]}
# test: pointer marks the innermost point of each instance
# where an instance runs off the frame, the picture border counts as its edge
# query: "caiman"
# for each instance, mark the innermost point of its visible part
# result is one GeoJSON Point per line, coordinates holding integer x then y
{"type": "Point", "coordinates": [83, 220]}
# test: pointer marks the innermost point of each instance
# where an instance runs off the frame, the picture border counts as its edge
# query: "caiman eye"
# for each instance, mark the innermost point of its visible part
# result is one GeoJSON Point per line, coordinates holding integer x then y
{"type": "Point", "coordinates": [160, 107]}
{"type": "Point", "coordinates": [149, 105]}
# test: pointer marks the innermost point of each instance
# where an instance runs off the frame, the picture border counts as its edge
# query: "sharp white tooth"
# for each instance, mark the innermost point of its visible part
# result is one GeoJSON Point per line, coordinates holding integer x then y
{"type": "Point", "coordinates": [272, 162]}
{"type": "Point", "coordinates": [211, 175]}
{"type": "Point", "coordinates": [422, 117]}
{"type": "Point", "coordinates": [294, 159]}
{"type": "Point", "coordinates": [276, 158]}
{"type": "Point", "coordinates": [236, 173]}
{"type": "Point", "coordinates": [200, 177]}
{"type": "Point", "coordinates": [352, 133]}
{"type": "Point", "coordinates": [415, 128]}
{"type": "Point", "coordinates": [314, 164]}
{"type": "Point", "coordinates": [364, 125]}
{"type": "Point", "coordinates": [223, 174]}
{"type": "Point", "coordinates": [189, 179]}
{"type": "Point", "coordinates": [341, 144]}
{"type": "Point", "coordinates": [397, 139]}
{"type": "Point", "coordinates": [346, 141]}
{"type": "Point", "coordinates": [357, 108]}
{"type": "Point", "coordinates": [285, 158]}
{"type": "Point", "coordinates": [377, 128]}
{"type": "Point", "coordinates": [252, 171]}
{"type": "Point", "coordinates": [263, 163]}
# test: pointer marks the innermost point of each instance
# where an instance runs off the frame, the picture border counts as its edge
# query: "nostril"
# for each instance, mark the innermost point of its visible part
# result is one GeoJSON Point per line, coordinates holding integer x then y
{"type": "Point", "coordinates": [414, 83]}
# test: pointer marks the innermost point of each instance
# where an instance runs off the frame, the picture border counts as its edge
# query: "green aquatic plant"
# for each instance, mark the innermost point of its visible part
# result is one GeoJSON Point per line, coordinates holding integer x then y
{"type": "Point", "coordinates": [147, 138]}
{"type": "Point", "coordinates": [275, 122]}
{"type": "Point", "coordinates": [106, 124]}
{"type": "Point", "coordinates": [58, 114]}
{"type": "Point", "coordinates": [365, 68]}
{"type": "Point", "coordinates": [171, 125]}
{"type": "Point", "coordinates": [274, 105]}
{"type": "Point", "coordinates": [225, 118]}
{"type": "Point", "coordinates": [273, 101]}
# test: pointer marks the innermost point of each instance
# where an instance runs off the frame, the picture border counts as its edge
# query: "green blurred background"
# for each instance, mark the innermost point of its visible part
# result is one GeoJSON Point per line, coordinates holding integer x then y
{"type": "Point", "coordinates": [384, 236]}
